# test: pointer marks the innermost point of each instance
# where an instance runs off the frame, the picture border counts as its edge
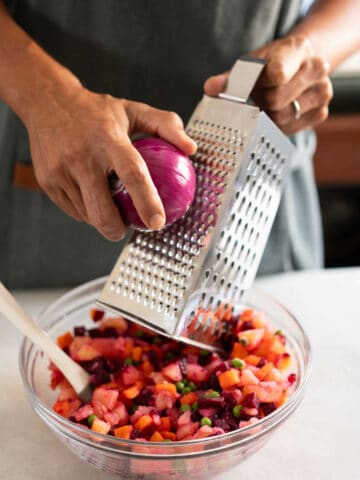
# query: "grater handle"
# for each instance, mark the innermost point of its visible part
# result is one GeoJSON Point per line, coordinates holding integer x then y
{"type": "Point", "coordinates": [242, 78]}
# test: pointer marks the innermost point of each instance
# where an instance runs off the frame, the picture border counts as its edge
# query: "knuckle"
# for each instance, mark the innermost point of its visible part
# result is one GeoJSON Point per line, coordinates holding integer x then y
{"type": "Point", "coordinates": [276, 71]}
{"type": "Point", "coordinates": [320, 65]}
{"type": "Point", "coordinates": [134, 176]}
{"type": "Point", "coordinates": [173, 117]}
{"type": "Point", "coordinates": [106, 131]}
{"type": "Point", "coordinates": [321, 115]}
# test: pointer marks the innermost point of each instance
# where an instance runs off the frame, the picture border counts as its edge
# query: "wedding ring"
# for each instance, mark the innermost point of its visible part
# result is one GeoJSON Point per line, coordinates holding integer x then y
{"type": "Point", "coordinates": [297, 109]}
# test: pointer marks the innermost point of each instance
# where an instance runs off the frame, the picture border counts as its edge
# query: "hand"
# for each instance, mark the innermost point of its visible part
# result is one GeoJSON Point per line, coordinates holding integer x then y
{"type": "Point", "coordinates": [293, 72]}
{"type": "Point", "coordinates": [77, 143]}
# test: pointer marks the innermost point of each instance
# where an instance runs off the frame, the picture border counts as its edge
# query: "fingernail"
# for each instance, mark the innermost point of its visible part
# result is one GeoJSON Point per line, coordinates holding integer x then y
{"type": "Point", "coordinates": [156, 222]}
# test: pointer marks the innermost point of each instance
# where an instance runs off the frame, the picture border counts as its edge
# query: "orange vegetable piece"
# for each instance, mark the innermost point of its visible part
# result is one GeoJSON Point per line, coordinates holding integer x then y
{"type": "Point", "coordinates": [188, 399]}
{"type": "Point", "coordinates": [129, 344]}
{"type": "Point", "coordinates": [136, 354]}
{"type": "Point", "coordinates": [252, 360]}
{"type": "Point", "coordinates": [64, 340]}
{"type": "Point", "coordinates": [165, 424]}
{"type": "Point", "coordinates": [229, 379]}
{"type": "Point", "coordinates": [133, 391]}
{"type": "Point", "coordinates": [169, 387]}
{"type": "Point", "coordinates": [247, 315]}
{"type": "Point", "coordinates": [96, 314]}
{"type": "Point", "coordinates": [169, 435]}
{"type": "Point", "coordinates": [238, 351]}
{"type": "Point", "coordinates": [156, 437]}
{"type": "Point", "coordinates": [147, 367]}
{"type": "Point", "coordinates": [284, 362]}
{"type": "Point", "coordinates": [144, 422]}
{"type": "Point", "coordinates": [123, 432]}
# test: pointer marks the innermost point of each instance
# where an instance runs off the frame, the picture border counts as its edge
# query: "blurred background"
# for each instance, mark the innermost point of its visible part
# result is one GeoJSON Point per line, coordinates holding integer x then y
{"type": "Point", "coordinates": [337, 168]}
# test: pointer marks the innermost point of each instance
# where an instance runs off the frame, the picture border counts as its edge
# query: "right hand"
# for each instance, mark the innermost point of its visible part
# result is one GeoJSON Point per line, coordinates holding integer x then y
{"type": "Point", "coordinates": [76, 144]}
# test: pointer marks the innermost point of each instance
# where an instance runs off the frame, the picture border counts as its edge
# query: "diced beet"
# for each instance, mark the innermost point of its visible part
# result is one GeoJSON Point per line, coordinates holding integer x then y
{"type": "Point", "coordinates": [205, 359]}
{"type": "Point", "coordinates": [154, 358]}
{"type": "Point", "coordinates": [136, 433]}
{"type": "Point", "coordinates": [262, 362]}
{"type": "Point", "coordinates": [195, 416]}
{"type": "Point", "coordinates": [208, 402]}
{"type": "Point", "coordinates": [248, 325]}
{"type": "Point", "coordinates": [229, 399]}
{"type": "Point", "coordinates": [214, 382]}
{"type": "Point", "coordinates": [173, 414]}
{"type": "Point", "coordinates": [146, 397]}
{"type": "Point", "coordinates": [110, 332]}
{"type": "Point", "coordinates": [95, 333]}
{"type": "Point", "coordinates": [268, 408]}
{"type": "Point", "coordinates": [99, 378]}
{"type": "Point", "coordinates": [93, 366]}
{"type": "Point", "coordinates": [113, 365]}
{"type": "Point", "coordinates": [251, 401]}
{"type": "Point", "coordinates": [222, 367]}
{"type": "Point", "coordinates": [292, 378]}
{"type": "Point", "coordinates": [79, 331]}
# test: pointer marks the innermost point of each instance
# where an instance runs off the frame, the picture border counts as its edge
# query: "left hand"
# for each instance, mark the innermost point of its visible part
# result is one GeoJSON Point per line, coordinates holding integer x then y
{"type": "Point", "coordinates": [293, 72]}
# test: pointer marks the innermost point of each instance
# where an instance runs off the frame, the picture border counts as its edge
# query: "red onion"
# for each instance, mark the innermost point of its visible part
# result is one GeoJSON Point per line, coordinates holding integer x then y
{"type": "Point", "coordinates": [173, 175]}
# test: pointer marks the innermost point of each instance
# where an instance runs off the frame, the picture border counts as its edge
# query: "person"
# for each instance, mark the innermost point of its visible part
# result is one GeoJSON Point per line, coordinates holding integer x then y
{"type": "Point", "coordinates": [79, 78]}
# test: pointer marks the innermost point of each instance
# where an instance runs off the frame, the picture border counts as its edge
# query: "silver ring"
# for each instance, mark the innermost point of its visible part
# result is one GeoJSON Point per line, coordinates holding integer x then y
{"type": "Point", "coordinates": [297, 109]}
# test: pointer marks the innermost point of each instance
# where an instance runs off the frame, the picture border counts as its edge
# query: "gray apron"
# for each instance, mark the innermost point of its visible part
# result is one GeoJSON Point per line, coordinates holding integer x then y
{"type": "Point", "coordinates": [158, 52]}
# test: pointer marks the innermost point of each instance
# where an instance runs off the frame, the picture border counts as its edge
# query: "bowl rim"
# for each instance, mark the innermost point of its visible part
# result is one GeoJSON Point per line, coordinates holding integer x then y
{"type": "Point", "coordinates": [277, 416]}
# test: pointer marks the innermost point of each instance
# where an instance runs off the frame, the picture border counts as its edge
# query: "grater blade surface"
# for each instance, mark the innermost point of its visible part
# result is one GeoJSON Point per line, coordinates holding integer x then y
{"type": "Point", "coordinates": [168, 280]}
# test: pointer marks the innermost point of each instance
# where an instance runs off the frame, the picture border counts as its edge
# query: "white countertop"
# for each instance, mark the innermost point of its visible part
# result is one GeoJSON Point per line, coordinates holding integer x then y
{"type": "Point", "coordinates": [319, 442]}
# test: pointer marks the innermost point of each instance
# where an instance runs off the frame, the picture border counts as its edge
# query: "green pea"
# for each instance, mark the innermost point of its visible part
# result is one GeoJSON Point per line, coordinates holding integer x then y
{"type": "Point", "coordinates": [194, 406]}
{"type": "Point", "coordinates": [180, 386]}
{"type": "Point", "coordinates": [206, 421]}
{"type": "Point", "coordinates": [128, 361]}
{"type": "Point", "coordinates": [133, 408]}
{"type": "Point", "coordinates": [156, 339]}
{"type": "Point", "coordinates": [139, 333]}
{"type": "Point", "coordinates": [185, 408]}
{"type": "Point", "coordinates": [90, 419]}
{"type": "Point", "coordinates": [192, 386]}
{"type": "Point", "coordinates": [238, 363]}
{"type": "Point", "coordinates": [236, 411]}
{"type": "Point", "coordinates": [279, 332]}
{"type": "Point", "coordinates": [186, 390]}
{"type": "Point", "coordinates": [204, 353]}
{"type": "Point", "coordinates": [213, 394]}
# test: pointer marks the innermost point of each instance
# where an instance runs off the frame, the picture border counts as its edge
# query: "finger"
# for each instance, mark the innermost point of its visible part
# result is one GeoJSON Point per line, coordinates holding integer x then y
{"type": "Point", "coordinates": [73, 192]}
{"type": "Point", "coordinates": [308, 120]}
{"type": "Point", "coordinates": [313, 98]}
{"type": "Point", "coordinates": [313, 71]}
{"type": "Point", "coordinates": [215, 84]}
{"type": "Point", "coordinates": [167, 125]}
{"type": "Point", "coordinates": [130, 167]}
{"type": "Point", "coordinates": [284, 60]}
{"type": "Point", "coordinates": [100, 207]}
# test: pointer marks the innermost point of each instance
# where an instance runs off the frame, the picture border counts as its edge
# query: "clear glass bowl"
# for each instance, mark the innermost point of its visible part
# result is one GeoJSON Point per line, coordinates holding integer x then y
{"type": "Point", "coordinates": [204, 458]}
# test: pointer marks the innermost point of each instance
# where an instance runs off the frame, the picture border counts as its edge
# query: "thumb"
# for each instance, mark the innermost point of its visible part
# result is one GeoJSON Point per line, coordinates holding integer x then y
{"type": "Point", "coordinates": [216, 84]}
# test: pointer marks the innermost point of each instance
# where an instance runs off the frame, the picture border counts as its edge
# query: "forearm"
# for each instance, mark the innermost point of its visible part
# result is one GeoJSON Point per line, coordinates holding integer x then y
{"type": "Point", "coordinates": [332, 26]}
{"type": "Point", "coordinates": [29, 78]}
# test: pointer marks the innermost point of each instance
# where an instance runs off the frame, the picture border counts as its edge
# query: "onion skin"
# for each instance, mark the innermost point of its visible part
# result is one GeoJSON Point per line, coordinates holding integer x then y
{"type": "Point", "coordinates": [173, 176]}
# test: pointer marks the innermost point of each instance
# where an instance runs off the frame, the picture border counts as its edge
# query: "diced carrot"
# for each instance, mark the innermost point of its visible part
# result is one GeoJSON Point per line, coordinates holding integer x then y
{"type": "Point", "coordinates": [247, 315]}
{"type": "Point", "coordinates": [238, 351]}
{"type": "Point", "coordinates": [169, 387]}
{"type": "Point", "coordinates": [156, 437]}
{"type": "Point", "coordinates": [252, 360]}
{"type": "Point", "coordinates": [165, 423]}
{"type": "Point", "coordinates": [129, 344]}
{"type": "Point", "coordinates": [169, 435]}
{"type": "Point", "coordinates": [284, 362]}
{"type": "Point", "coordinates": [144, 422]}
{"type": "Point", "coordinates": [110, 385]}
{"type": "Point", "coordinates": [65, 340]}
{"type": "Point", "coordinates": [96, 314]}
{"type": "Point", "coordinates": [188, 399]}
{"type": "Point", "coordinates": [229, 379]}
{"type": "Point", "coordinates": [123, 432]}
{"type": "Point", "coordinates": [136, 354]}
{"type": "Point", "coordinates": [66, 408]}
{"type": "Point", "coordinates": [133, 391]}
{"type": "Point", "coordinates": [147, 367]}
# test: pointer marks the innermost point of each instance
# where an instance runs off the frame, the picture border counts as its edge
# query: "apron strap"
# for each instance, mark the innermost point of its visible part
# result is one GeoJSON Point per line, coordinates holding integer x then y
{"type": "Point", "coordinates": [24, 177]}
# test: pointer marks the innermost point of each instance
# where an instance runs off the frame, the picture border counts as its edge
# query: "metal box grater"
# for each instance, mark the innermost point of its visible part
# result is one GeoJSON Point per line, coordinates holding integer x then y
{"type": "Point", "coordinates": [212, 254]}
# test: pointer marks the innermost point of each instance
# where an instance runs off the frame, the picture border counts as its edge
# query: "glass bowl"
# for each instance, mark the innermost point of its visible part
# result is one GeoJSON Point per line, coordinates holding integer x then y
{"type": "Point", "coordinates": [200, 459]}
